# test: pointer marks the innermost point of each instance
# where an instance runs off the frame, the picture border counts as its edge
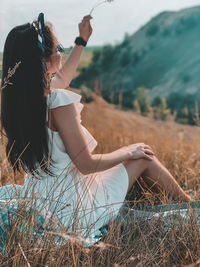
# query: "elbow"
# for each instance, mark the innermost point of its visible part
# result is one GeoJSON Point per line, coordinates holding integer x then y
{"type": "Point", "coordinates": [85, 168]}
{"type": "Point", "coordinates": [64, 81]}
{"type": "Point", "coordinates": [84, 171]}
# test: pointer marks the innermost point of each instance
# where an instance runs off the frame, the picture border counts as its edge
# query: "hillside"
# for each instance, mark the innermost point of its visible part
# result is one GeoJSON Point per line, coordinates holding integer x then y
{"type": "Point", "coordinates": [163, 56]}
{"type": "Point", "coordinates": [171, 48]}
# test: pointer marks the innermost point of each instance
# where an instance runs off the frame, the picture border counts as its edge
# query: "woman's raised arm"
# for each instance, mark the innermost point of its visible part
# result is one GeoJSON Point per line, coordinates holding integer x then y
{"type": "Point", "coordinates": [64, 76]}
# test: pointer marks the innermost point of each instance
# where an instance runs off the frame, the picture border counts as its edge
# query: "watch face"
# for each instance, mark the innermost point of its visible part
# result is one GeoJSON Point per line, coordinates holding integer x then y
{"type": "Point", "coordinates": [80, 41]}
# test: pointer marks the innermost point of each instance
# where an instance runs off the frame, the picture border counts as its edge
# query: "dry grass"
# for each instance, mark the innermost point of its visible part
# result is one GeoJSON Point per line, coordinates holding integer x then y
{"type": "Point", "coordinates": [144, 243]}
{"type": "Point", "coordinates": [175, 145]}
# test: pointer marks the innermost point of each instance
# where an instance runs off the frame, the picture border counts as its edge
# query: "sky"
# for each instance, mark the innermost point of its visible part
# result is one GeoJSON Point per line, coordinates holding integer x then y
{"type": "Point", "coordinates": [110, 21]}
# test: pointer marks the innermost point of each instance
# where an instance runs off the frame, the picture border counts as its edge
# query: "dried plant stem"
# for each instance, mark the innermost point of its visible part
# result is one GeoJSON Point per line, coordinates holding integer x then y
{"type": "Point", "coordinates": [105, 1]}
{"type": "Point", "coordinates": [24, 255]}
{"type": "Point", "coordinates": [11, 72]}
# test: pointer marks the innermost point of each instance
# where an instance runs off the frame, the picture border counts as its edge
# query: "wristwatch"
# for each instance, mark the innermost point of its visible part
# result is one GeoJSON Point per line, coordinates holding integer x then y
{"type": "Point", "coordinates": [79, 41]}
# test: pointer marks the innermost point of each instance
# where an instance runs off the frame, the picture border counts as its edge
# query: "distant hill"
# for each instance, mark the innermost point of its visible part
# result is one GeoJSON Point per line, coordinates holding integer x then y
{"type": "Point", "coordinates": [163, 56]}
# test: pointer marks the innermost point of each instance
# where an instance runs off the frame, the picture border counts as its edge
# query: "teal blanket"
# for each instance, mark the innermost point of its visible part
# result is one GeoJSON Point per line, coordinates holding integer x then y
{"type": "Point", "coordinates": [9, 211]}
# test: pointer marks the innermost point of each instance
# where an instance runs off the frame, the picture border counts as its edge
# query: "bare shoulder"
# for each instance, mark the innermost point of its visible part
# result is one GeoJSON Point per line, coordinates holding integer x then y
{"type": "Point", "coordinates": [61, 115]}
{"type": "Point", "coordinates": [64, 114]}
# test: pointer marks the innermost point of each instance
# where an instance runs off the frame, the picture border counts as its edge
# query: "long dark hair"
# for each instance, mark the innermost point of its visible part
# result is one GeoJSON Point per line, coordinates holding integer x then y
{"type": "Point", "coordinates": [23, 104]}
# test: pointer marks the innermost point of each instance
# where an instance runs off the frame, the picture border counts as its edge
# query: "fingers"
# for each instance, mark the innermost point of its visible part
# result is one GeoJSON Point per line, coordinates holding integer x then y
{"type": "Point", "coordinates": [148, 147]}
{"type": "Point", "coordinates": [148, 151]}
{"type": "Point", "coordinates": [85, 21]}
{"type": "Point", "coordinates": [87, 18]}
{"type": "Point", "coordinates": [144, 145]}
{"type": "Point", "coordinates": [85, 28]}
{"type": "Point", "coordinates": [148, 157]}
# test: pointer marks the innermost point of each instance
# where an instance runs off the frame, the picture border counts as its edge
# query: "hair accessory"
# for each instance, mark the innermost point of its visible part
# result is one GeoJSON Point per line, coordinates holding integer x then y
{"type": "Point", "coordinates": [39, 27]}
{"type": "Point", "coordinates": [61, 49]}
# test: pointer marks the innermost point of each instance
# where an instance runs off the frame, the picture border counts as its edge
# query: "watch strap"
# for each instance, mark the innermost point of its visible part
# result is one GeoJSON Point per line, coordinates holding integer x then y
{"type": "Point", "coordinates": [79, 41]}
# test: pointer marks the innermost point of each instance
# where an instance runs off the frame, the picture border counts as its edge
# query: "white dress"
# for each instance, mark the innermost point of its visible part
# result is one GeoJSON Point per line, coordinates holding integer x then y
{"type": "Point", "coordinates": [82, 203]}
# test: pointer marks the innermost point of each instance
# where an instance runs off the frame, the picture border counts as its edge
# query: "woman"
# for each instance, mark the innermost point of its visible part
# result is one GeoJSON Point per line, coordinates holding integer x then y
{"type": "Point", "coordinates": [45, 137]}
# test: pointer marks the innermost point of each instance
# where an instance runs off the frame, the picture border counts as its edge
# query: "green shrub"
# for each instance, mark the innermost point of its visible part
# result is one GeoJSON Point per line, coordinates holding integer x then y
{"type": "Point", "coordinates": [87, 95]}
{"type": "Point", "coordinates": [141, 94]}
{"type": "Point", "coordinates": [161, 112]}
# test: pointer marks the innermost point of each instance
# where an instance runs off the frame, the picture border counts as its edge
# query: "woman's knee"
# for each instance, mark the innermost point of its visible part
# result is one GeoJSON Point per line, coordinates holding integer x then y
{"type": "Point", "coordinates": [139, 163]}
{"type": "Point", "coordinates": [135, 168]}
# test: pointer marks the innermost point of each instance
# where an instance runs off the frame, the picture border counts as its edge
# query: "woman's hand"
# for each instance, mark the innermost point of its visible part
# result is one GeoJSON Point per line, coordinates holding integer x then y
{"type": "Point", "coordinates": [139, 151]}
{"type": "Point", "coordinates": [85, 28]}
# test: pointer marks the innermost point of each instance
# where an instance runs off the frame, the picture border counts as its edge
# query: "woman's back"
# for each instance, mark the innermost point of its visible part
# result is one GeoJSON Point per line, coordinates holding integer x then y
{"type": "Point", "coordinates": [68, 190]}
{"type": "Point", "coordinates": [88, 202]}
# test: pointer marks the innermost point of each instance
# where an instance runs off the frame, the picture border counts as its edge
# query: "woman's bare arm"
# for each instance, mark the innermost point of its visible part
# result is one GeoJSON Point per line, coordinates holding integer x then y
{"type": "Point", "coordinates": [64, 76]}
{"type": "Point", "coordinates": [67, 122]}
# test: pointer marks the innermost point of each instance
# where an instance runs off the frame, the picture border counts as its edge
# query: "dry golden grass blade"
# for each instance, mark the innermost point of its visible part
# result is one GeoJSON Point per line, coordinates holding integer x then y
{"type": "Point", "coordinates": [24, 255]}
{"type": "Point", "coordinates": [196, 264]}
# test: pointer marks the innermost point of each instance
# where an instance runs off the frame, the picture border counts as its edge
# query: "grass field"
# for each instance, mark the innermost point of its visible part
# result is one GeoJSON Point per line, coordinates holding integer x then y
{"type": "Point", "coordinates": [145, 244]}
{"type": "Point", "coordinates": [136, 244]}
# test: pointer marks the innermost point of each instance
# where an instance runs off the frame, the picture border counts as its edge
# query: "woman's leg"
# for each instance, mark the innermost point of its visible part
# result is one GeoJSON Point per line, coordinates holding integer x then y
{"type": "Point", "coordinates": [157, 173]}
